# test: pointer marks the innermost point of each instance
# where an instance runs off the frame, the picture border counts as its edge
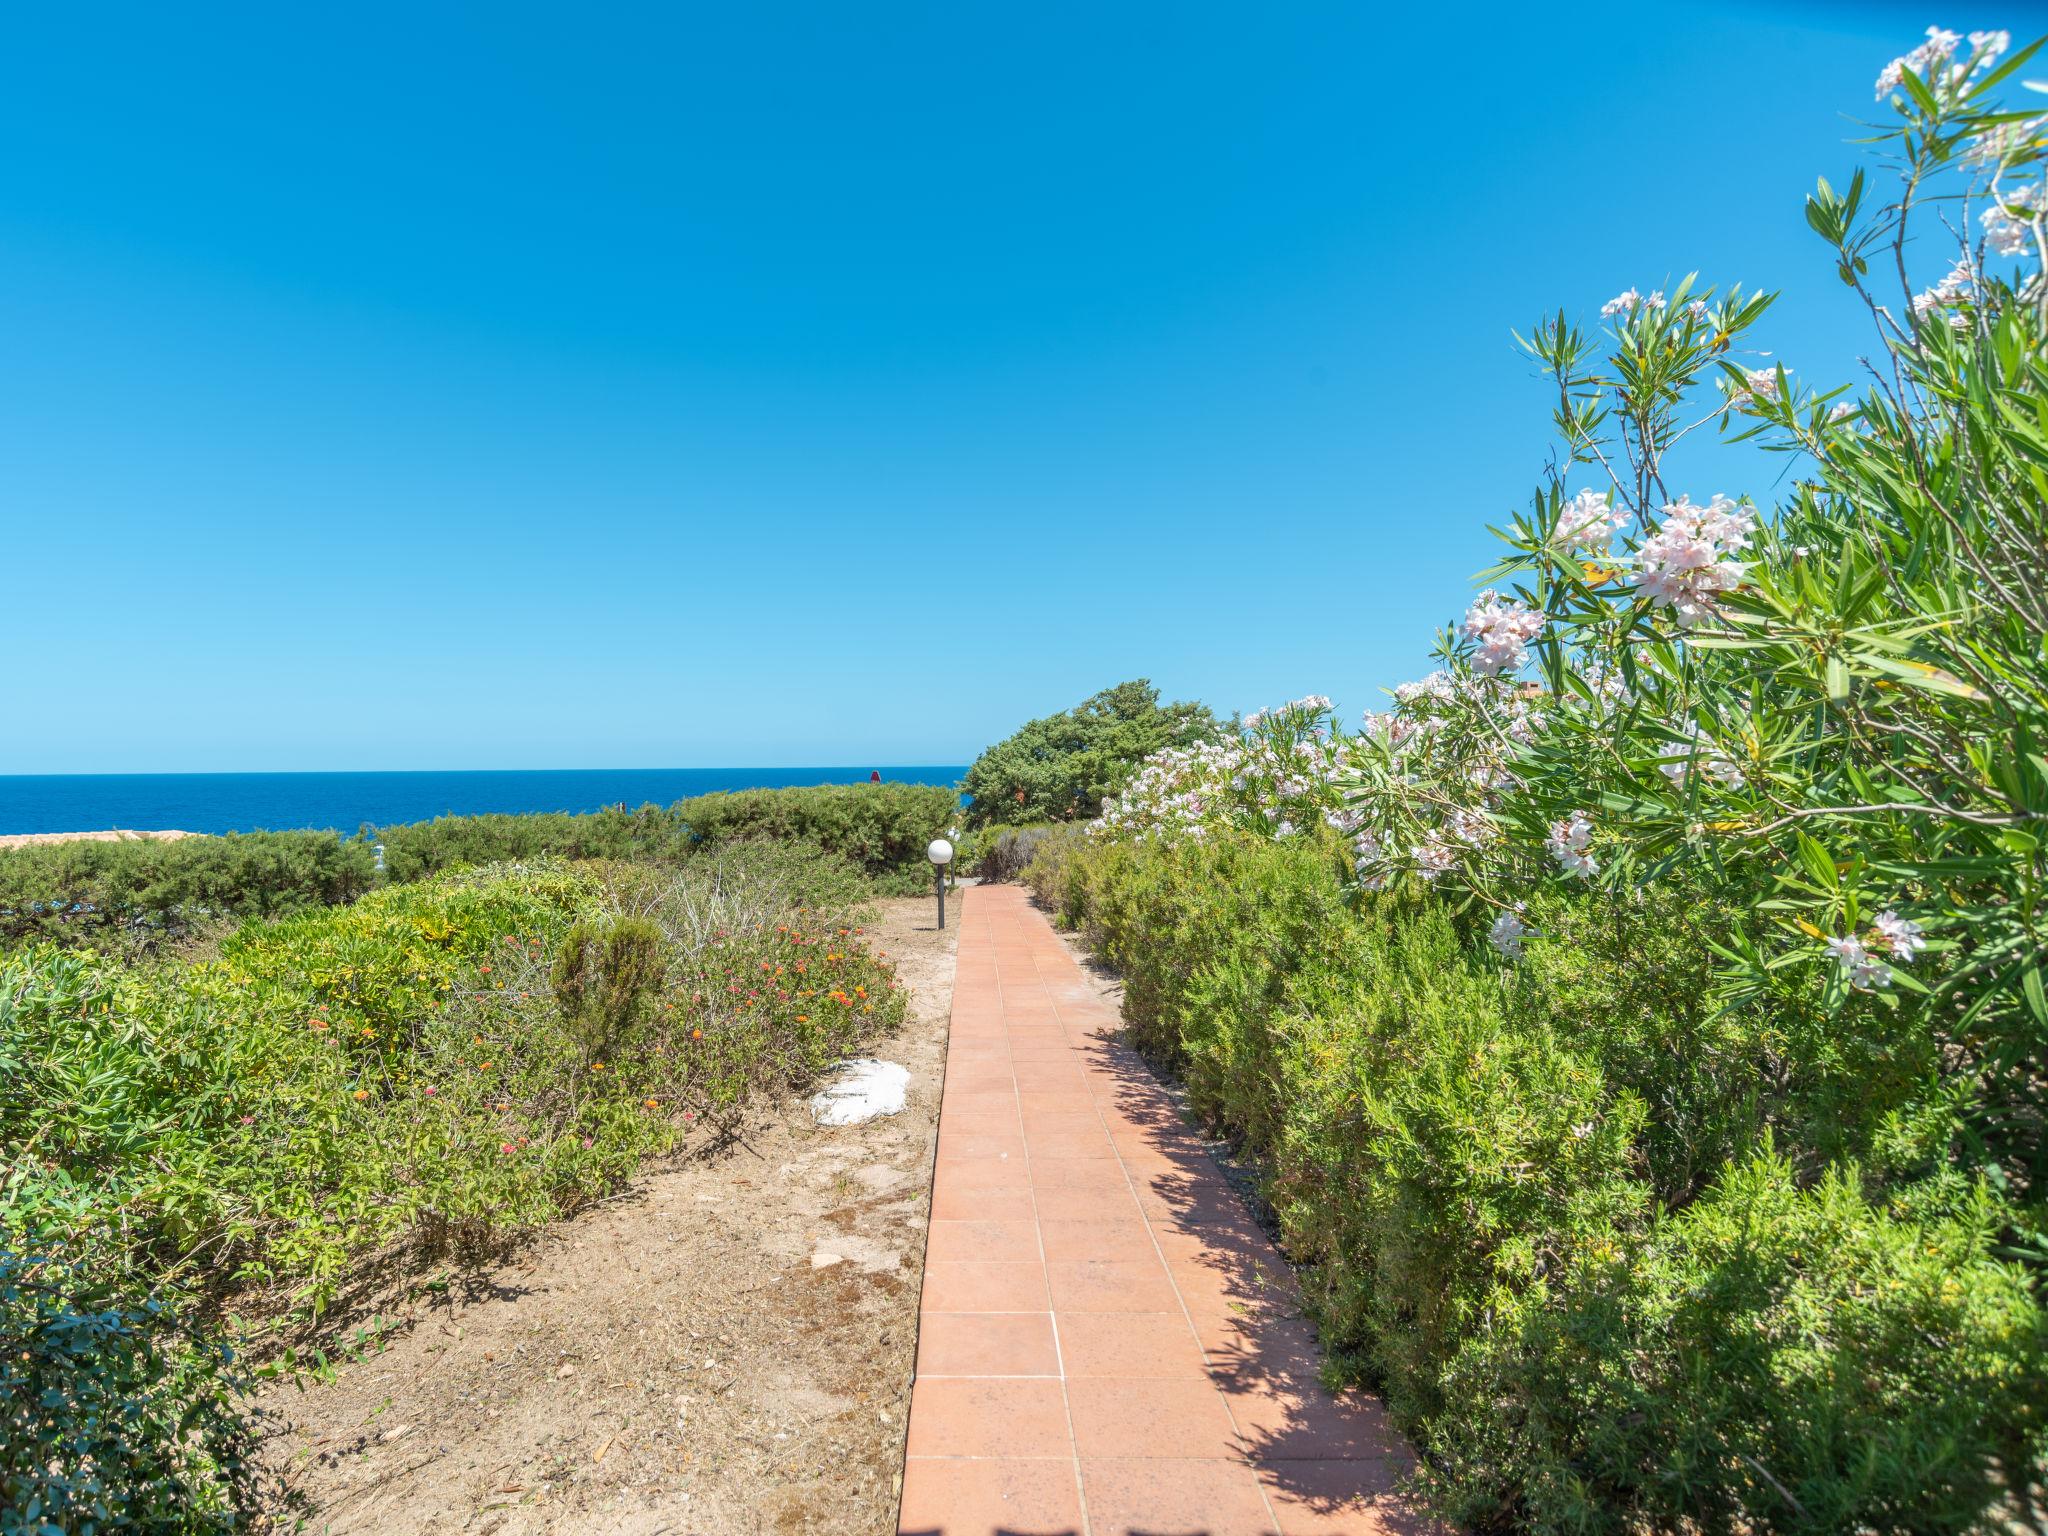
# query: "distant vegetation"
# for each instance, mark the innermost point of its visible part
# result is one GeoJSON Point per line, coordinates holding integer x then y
{"type": "Point", "coordinates": [138, 895]}
{"type": "Point", "coordinates": [1063, 766]}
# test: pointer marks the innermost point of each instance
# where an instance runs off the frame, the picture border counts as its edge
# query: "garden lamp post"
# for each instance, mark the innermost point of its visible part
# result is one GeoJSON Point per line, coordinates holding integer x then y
{"type": "Point", "coordinates": [941, 854]}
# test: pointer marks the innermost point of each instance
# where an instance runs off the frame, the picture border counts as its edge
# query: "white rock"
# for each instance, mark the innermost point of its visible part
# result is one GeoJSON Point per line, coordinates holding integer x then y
{"type": "Point", "coordinates": [861, 1089]}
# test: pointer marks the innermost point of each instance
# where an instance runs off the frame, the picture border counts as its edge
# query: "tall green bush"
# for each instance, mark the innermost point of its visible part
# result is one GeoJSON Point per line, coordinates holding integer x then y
{"type": "Point", "coordinates": [1063, 766]}
{"type": "Point", "coordinates": [1611, 1249]}
{"type": "Point", "coordinates": [144, 891]}
{"type": "Point", "coordinates": [884, 828]}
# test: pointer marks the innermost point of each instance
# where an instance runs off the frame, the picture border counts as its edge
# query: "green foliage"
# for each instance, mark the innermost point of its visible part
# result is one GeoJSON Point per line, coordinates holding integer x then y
{"type": "Point", "coordinates": [1063, 766]}
{"type": "Point", "coordinates": [607, 980]}
{"type": "Point", "coordinates": [423, 848]}
{"type": "Point", "coordinates": [1621, 1256]}
{"type": "Point", "coordinates": [117, 1415]}
{"type": "Point", "coordinates": [1000, 852]}
{"type": "Point", "coordinates": [353, 1076]}
{"type": "Point", "coordinates": [883, 828]}
{"type": "Point", "coordinates": [1774, 1357]}
{"type": "Point", "coordinates": [142, 892]}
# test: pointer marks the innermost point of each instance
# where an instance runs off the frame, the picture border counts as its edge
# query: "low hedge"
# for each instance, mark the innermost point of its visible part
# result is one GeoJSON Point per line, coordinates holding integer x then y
{"type": "Point", "coordinates": [416, 850]}
{"type": "Point", "coordinates": [1619, 1258]}
{"type": "Point", "coordinates": [100, 892]}
{"type": "Point", "coordinates": [138, 894]}
{"type": "Point", "coordinates": [884, 828]}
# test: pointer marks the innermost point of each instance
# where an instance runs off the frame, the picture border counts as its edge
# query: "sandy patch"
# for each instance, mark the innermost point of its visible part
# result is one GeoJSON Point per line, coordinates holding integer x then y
{"type": "Point", "coordinates": [112, 835]}
{"type": "Point", "coordinates": [726, 1347]}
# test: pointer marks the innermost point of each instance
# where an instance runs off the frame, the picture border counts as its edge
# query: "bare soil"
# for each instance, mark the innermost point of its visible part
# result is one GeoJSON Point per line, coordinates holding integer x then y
{"type": "Point", "coordinates": [725, 1347]}
{"type": "Point", "coordinates": [112, 835]}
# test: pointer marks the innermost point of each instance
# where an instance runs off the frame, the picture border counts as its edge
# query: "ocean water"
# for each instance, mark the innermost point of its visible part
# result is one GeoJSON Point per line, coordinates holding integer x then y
{"type": "Point", "coordinates": [249, 802]}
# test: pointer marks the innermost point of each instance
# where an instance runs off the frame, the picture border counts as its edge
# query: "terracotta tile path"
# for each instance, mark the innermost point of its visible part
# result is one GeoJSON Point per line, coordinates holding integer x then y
{"type": "Point", "coordinates": [1107, 1343]}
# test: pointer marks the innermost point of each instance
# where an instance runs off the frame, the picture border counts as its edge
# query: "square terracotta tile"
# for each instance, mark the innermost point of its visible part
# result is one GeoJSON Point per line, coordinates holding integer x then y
{"type": "Point", "coordinates": [979, 1286]}
{"type": "Point", "coordinates": [986, 1344]}
{"type": "Point", "coordinates": [987, 1496]}
{"type": "Point", "coordinates": [1090, 1143]}
{"type": "Point", "coordinates": [980, 1100]}
{"type": "Point", "coordinates": [1078, 1173]}
{"type": "Point", "coordinates": [1108, 1285]}
{"type": "Point", "coordinates": [1032, 1105]}
{"type": "Point", "coordinates": [1086, 1205]}
{"type": "Point", "coordinates": [1126, 1239]}
{"type": "Point", "coordinates": [1288, 1419]}
{"type": "Point", "coordinates": [1166, 1496]}
{"type": "Point", "coordinates": [988, 1416]}
{"type": "Point", "coordinates": [1044, 1122]}
{"type": "Point", "coordinates": [1012, 1241]}
{"type": "Point", "coordinates": [985, 1173]}
{"type": "Point", "coordinates": [1148, 1416]}
{"type": "Point", "coordinates": [1342, 1498]}
{"type": "Point", "coordinates": [1130, 1344]}
{"type": "Point", "coordinates": [952, 1202]}
{"type": "Point", "coordinates": [957, 1145]}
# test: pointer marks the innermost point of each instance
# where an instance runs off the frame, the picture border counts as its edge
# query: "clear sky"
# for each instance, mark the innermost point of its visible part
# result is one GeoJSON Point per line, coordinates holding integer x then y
{"type": "Point", "coordinates": [588, 386]}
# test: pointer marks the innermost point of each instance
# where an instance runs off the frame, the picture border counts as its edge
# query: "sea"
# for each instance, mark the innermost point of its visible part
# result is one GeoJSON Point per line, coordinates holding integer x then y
{"type": "Point", "coordinates": [347, 802]}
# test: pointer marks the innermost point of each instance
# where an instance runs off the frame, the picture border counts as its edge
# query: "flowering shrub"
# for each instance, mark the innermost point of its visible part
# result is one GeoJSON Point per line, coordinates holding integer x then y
{"type": "Point", "coordinates": [1721, 828]}
{"type": "Point", "coordinates": [1060, 767]}
{"type": "Point", "coordinates": [352, 1076]}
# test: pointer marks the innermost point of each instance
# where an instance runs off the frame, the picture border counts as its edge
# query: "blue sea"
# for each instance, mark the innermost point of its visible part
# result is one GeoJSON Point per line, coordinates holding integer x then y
{"type": "Point", "coordinates": [250, 802]}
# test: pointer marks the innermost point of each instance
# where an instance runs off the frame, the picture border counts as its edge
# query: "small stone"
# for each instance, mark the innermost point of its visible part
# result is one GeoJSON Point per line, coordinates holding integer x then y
{"type": "Point", "coordinates": [567, 1370]}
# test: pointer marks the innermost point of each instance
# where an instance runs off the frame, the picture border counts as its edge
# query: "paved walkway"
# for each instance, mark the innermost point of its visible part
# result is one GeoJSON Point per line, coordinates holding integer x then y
{"type": "Point", "coordinates": [1108, 1345]}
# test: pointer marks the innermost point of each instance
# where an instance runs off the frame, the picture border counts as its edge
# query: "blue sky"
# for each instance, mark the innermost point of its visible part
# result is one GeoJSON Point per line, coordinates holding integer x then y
{"type": "Point", "coordinates": [516, 386]}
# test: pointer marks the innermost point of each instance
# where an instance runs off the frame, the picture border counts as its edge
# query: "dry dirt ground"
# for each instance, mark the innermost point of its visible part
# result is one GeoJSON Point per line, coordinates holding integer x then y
{"type": "Point", "coordinates": [725, 1347]}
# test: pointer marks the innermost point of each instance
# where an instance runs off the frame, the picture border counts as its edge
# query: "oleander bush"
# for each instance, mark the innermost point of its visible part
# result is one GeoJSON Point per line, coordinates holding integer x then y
{"type": "Point", "coordinates": [1063, 766]}
{"type": "Point", "coordinates": [1640, 1024]}
{"type": "Point", "coordinates": [141, 893]}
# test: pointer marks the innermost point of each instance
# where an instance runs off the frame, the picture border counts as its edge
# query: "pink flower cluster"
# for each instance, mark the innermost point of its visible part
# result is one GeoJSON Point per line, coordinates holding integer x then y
{"type": "Point", "coordinates": [1940, 47]}
{"type": "Point", "coordinates": [1890, 935]}
{"type": "Point", "coordinates": [1503, 630]}
{"type": "Point", "coordinates": [1588, 522]}
{"type": "Point", "coordinates": [1688, 561]}
{"type": "Point", "coordinates": [1570, 842]}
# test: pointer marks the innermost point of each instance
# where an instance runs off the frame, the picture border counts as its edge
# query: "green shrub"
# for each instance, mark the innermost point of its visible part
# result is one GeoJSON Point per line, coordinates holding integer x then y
{"type": "Point", "coordinates": [354, 1076]}
{"type": "Point", "coordinates": [422, 848]}
{"type": "Point", "coordinates": [1620, 1256]}
{"type": "Point", "coordinates": [1061, 767]}
{"type": "Point", "coordinates": [1000, 852]}
{"type": "Point", "coordinates": [118, 1415]}
{"type": "Point", "coordinates": [1771, 1358]}
{"type": "Point", "coordinates": [145, 891]}
{"type": "Point", "coordinates": [883, 828]}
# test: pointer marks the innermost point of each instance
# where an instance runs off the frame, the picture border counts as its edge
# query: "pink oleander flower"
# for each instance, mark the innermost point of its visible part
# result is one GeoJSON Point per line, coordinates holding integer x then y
{"type": "Point", "coordinates": [1503, 630]}
{"type": "Point", "coordinates": [1434, 858]}
{"type": "Point", "coordinates": [1507, 933]}
{"type": "Point", "coordinates": [2009, 223]}
{"type": "Point", "coordinates": [1569, 842]}
{"type": "Point", "coordinates": [1686, 563]}
{"type": "Point", "coordinates": [1865, 973]}
{"type": "Point", "coordinates": [1897, 936]}
{"type": "Point", "coordinates": [1623, 303]}
{"type": "Point", "coordinates": [1939, 48]}
{"type": "Point", "coordinates": [1587, 523]}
